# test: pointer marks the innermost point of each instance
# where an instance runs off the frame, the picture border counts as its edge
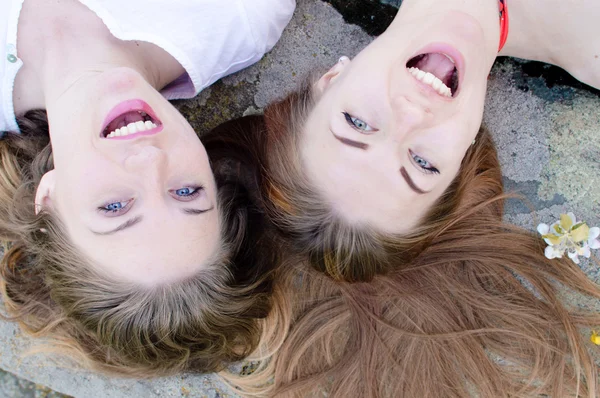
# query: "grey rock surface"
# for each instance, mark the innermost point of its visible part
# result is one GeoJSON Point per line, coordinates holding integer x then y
{"type": "Point", "coordinates": [547, 134]}
{"type": "Point", "coordinates": [12, 386]}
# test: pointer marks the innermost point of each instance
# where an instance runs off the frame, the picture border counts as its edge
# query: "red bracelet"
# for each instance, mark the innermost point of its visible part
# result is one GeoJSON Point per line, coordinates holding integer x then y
{"type": "Point", "coordinates": [503, 23]}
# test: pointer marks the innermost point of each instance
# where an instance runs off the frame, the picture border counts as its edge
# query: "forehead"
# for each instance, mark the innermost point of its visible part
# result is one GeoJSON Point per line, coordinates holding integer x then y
{"type": "Point", "coordinates": [160, 249]}
{"type": "Point", "coordinates": [366, 195]}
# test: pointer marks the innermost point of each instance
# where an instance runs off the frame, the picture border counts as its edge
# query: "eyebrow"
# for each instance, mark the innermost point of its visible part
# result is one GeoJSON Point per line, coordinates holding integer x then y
{"type": "Point", "coordinates": [410, 182]}
{"type": "Point", "coordinates": [196, 212]}
{"type": "Point", "coordinates": [136, 220]}
{"type": "Point", "coordinates": [352, 143]}
{"type": "Point", "coordinates": [127, 224]}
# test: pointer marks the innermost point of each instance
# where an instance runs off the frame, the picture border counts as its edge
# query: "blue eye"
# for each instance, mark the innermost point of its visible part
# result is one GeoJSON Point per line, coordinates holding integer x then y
{"type": "Point", "coordinates": [423, 164]}
{"type": "Point", "coordinates": [185, 191]}
{"type": "Point", "coordinates": [358, 124]}
{"type": "Point", "coordinates": [116, 208]}
{"type": "Point", "coordinates": [186, 194]}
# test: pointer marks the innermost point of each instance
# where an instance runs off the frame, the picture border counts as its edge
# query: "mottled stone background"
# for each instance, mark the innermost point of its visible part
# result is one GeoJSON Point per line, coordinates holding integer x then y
{"type": "Point", "coordinates": [546, 126]}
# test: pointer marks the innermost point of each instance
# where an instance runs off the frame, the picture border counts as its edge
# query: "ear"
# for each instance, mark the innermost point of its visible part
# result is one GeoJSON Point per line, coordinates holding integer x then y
{"type": "Point", "coordinates": [329, 77]}
{"type": "Point", "coordinates": [45, 191]}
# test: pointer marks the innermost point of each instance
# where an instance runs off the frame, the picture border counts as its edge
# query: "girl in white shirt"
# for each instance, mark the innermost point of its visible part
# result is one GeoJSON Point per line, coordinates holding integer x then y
{"type": "Point", "coordinates": [123, 244]}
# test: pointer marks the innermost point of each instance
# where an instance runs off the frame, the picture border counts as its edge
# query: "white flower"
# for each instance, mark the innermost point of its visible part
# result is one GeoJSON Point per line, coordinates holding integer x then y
{"type": "Point", "coordinates": [551, 253]}
{"type": "Point", "coordinates": [573, 256]}
{"type": "Point", "coordinates": [593, 241]}
{"type": "Point", "coordinates": [567, 235]}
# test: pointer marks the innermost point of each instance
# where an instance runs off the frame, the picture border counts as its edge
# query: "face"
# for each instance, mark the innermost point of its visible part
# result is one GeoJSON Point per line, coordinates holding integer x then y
{"type": "Point", "coordinates": [391, 127]}
{"type": "Point", "coordinates": [139, 202]}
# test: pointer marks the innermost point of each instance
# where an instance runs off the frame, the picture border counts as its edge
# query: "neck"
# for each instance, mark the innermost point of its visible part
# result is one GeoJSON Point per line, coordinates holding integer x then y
{"type": "Point", "coordinates": [63, 42]}
{"type": "Point", "coordinates": [484, 11]}
{"type": "Point", "coordinates": [64, 68]}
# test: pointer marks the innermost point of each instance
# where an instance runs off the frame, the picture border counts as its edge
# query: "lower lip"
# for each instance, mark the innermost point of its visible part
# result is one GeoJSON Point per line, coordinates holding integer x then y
{"type": "Point", "coordinates": [457, 57]}
{"type": "Point", "coordinates": [129, 106]}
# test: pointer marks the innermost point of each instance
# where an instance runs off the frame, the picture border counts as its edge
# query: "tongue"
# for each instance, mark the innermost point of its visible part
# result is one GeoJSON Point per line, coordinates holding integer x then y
{"type": "Point", "coordinates": [438, 65]}
{"type": "Point", "coordinates": [124, 120]}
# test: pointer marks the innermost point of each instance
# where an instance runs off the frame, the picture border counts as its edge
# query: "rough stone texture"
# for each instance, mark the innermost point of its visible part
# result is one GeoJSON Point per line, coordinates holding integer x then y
{"type": "Point", "coordinates": [544, 122]}
{"type": "Point", "coordinates": [15, 387]}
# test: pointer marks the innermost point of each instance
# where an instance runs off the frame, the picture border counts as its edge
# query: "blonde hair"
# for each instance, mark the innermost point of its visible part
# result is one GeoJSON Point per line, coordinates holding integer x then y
{"type": "Point", "coordinates": [446, 312]}
{"type": "Point", "coordinates": [200, 324]}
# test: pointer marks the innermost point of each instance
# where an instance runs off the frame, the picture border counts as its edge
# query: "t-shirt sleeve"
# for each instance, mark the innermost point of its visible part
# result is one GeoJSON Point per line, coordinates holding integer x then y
{"type": "Point", "coordinates": [268, 19]}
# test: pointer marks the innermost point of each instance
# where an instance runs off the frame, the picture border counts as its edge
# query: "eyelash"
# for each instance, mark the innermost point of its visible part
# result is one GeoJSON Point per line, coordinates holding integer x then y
{"type": "Point", "coordinates": [115, 212]}
{"type": "Point", "coordinates": [351, 120]}
{"type": "Point", "coordinates": [426, 170]}
{"type": "Point", "coordinates": [126, 204]}
{"type": "Point", "coordinates": [188, 198]}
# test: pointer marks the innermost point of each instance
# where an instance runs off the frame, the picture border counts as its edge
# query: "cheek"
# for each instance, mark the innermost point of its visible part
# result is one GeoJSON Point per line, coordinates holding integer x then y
{"type": "Point", "coordinates": [453, 159]}
{"type": "Point", "coordinates": [453, 140]}
{"type": "Point", "coordinates": [188, 161]}
{"type": "Point", "coordinates": [445, 152]}
{"type": "Point", "coordinates": [89, 164]}
{"type": "Point", "coordinates": [472, 107]}
{"type": "Point", "coordinates": [86, 177]}
{"type": "Point", "coordinates": [189, 153]}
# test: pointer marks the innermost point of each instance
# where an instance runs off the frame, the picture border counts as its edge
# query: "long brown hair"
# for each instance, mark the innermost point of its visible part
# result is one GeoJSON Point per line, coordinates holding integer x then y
{"type": "Point", "coordinates": [467, 305]}
{"type": "Point", "coordinates": [200, 324]}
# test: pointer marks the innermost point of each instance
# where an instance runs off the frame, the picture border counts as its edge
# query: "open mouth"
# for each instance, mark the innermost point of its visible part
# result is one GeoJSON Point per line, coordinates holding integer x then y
{"type": "Point", "coordinates": [131, 119]}
{"type": "Point", "coordinates": [436, 70]}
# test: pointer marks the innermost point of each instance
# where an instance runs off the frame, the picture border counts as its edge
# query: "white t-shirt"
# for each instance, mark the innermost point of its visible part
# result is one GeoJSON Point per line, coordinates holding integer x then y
{"type": "Point", "coordinates": [209, 38]}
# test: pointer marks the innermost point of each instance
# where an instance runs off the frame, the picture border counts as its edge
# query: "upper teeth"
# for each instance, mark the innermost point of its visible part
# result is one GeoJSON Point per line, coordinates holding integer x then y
{"type": "Point", "coordinates": [431, 80]}
{"type": "Point", "coordinates": [132, 128]}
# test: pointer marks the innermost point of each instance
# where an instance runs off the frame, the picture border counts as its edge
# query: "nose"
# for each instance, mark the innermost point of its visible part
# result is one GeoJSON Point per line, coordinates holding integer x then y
{"type": "Point", "coordinates": [407, 116]}
{"type": "Point", "coordinates": [146, 160]}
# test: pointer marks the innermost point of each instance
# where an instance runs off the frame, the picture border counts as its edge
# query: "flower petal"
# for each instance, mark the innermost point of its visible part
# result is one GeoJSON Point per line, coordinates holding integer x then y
{"type": "Point", "coordinates": [552, 239]}
{"type": "Point", "coordinates": [567, 221]}
{"type": "Point", "coordinates": [594, 233]}
{"type": "Point", "coordinates": [574, 257]}
{"type": "Point", "coordinates": [549, 252]}
{"type": "Point", "coordinates": [581, 233]}
{"type": "Point", "coordinates": [594, 243]}
{"type": "Point", "coordinates": [584, 251]}
{"type": "Point", "coordinates": [543, 229]}
{"type": "Point", "coordinates": [557, 229]}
